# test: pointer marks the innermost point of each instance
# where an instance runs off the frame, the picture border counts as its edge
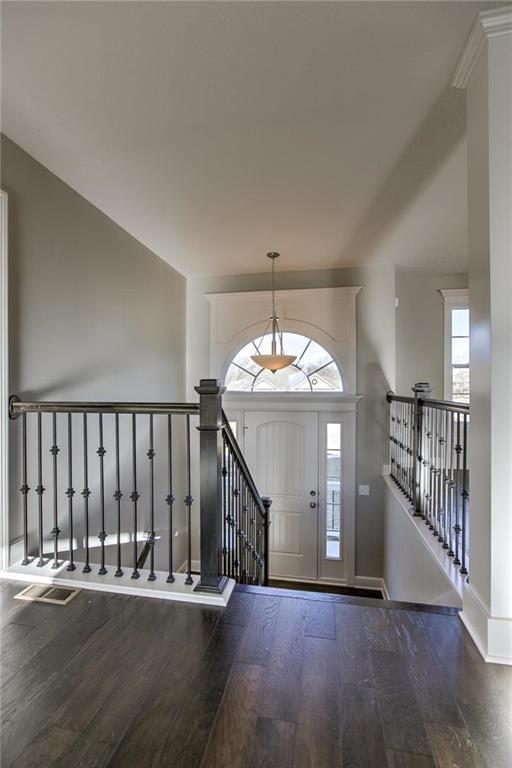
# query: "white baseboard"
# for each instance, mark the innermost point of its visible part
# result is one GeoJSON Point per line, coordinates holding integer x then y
{"type": "Point", "coordinates": [123, 585]}
{"type": "Point", "coordinates": [492, 636]}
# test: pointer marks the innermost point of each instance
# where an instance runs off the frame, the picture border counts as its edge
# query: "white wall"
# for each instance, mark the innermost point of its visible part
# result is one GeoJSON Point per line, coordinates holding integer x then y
{"type": "Point", "coordinates": [487, 76]}
{"type": "Point", "coordinates": [412, 572]}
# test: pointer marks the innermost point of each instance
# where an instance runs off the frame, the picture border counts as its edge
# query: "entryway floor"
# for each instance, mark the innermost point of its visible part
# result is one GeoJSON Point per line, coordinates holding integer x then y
{"type": "Point", "coordinates": [279, 678]}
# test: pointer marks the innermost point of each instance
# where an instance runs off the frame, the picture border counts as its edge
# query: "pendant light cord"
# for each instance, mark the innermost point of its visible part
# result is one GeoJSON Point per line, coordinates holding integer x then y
{"type": "Point", "coordinates": [273, 287]}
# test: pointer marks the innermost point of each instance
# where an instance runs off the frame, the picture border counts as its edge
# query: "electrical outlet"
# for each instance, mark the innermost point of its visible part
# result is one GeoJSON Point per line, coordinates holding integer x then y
{"type": "Point", "coordinates": [364, 490]}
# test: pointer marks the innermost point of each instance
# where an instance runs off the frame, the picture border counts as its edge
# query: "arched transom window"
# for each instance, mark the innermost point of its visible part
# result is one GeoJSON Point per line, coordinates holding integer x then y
{"type": "Point", "coordinates": [314, 370]}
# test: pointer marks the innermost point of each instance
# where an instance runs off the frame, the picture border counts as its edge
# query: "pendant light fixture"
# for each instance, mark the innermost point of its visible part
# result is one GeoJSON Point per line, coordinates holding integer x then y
{"type": "Point", "coordinates": [276, 360]}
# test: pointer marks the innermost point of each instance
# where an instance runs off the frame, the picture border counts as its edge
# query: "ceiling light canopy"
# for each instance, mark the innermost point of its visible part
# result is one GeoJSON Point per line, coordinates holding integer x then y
{"type": "Point", "coordinates": [276, 360]}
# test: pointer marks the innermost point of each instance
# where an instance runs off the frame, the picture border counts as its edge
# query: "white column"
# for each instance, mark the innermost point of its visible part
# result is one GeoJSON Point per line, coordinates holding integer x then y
{"type": "Point", "coordinates": [485, 71]}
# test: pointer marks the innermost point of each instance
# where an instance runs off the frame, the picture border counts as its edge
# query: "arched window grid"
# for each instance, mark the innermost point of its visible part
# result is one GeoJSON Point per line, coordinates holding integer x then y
{"type": "Point", "coordinates": [314, 370]}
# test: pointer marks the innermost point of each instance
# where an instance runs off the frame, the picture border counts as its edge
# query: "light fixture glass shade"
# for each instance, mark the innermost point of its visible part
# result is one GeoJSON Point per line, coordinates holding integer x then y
{"type": "Point", "coordinates": [273, 362]}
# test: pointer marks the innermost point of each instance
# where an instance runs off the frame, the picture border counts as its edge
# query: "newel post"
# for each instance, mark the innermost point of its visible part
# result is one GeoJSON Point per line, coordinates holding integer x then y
{"type": "Point", "coordinates": [421, 391]}
{"type": "Point", "coordinates": [210, 471]}
{"type": "Point", "coordinates": [267, 503]}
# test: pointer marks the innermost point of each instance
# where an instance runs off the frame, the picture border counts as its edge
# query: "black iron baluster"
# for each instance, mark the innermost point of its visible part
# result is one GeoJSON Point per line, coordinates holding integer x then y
{"type": "Point", "coordinates": [442, 467]}
{"type": "Point", "coordinates": [457, 527]}
{"type": "Point", "coordinates": [244, 530]}
{"type": "Point", "coordinates": [54, 450]}
{"type": "Point", "coordinates": [464, 493]}
{"type": "Point", "coordinates": [151, 540]}
{"type": "Point", "coordinates": [423, 464]}
{"type": "Point", "coordinates": [446, 479]}
{"type": "Point", "coordinates": [170, 500]}
{"type": "Point", "coordinates": [435, 500]}
{"type": "Point", "coordinates": [451, 485]}
{"type": "Point", "coordinates": [134, 497]}
{"type": "Point", "coordinates": [117, 496]}
{"type": "Point", "coordinates": [86, 493]}
{"type": "Point", "coordinates": [224, 505]}
{"type": "Point", "coordinates": [254, 549]}
{"type": "Point", "coordinates": [392, 439]}
{"type": "Point", "coordinates": [410, 434]}
{"type": "Point", "coordinates": [430, 495]}
{"type": "Point", "coordinates": [24, 488]}
{"type": "Point", "coordinates": [102, 534]}
{"type": "Point", "coordinates": [236, 495]}
{"type": "Point", "coordinates": [398, 449]}
{"type": "Point", "coordinates": [231, 516]}
{"type": "Point", "coordinates": [70, 492]}
{"type": "Point", "coordinates": [188, 504]}
{"type": "Point", "coordinates": [40, 490]}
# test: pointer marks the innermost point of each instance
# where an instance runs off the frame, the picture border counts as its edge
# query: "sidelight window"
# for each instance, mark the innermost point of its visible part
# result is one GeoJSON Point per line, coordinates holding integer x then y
{"type": "Point", "coordinates": [333, 492]}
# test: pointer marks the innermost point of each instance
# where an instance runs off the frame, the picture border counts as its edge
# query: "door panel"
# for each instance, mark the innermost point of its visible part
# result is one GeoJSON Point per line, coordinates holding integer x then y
{"type": "Point", "coordinates": [281, 449]}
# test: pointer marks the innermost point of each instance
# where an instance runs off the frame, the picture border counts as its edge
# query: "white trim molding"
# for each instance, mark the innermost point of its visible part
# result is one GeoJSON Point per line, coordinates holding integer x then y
{"type": "Point", "coordinates": [326, 315]}
{"type": "Point", "coordinates": [125, 585]}
{"type": "Point", "coordinates": [497, 21]}
{"type": "Point", "coordinates": [492, 636]}
{"type": "Point", "coordinates": [4, 384]}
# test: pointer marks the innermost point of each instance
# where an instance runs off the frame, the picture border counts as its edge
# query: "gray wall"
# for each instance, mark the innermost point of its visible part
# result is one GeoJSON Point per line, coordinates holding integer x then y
{"type": "Point", "coordinates": [93, 315]}
{"type": "Point", "coordinates": [420, 326]}
{"type": "Point", "coordinates": [375, 373]}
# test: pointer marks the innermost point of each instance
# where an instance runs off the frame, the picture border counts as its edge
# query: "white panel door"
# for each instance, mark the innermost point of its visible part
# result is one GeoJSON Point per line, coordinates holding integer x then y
{"type": "Point", "coordinates": [281, 449]}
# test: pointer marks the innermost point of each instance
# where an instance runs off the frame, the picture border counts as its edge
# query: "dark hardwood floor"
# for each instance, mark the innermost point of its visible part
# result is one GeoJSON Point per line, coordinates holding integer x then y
{"type": "Point", "coordinates": [276, 679]}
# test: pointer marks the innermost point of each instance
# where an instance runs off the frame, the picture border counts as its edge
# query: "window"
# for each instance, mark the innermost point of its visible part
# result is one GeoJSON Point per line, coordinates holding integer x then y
{"type": "Point", "coordinates": [314, 369]}
{"type": "Point", "coordinates": [456, 345]}
{"type": "Point", "coordinates": [333, 493]}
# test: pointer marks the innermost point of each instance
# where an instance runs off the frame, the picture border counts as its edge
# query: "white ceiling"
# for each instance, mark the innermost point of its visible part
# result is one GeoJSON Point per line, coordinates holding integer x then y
{"type": "Point", "coordinates": [214, 132]}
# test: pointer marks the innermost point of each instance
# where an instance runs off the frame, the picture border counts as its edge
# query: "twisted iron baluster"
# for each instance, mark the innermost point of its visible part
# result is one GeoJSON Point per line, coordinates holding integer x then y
{"type": "Point", "coordinates": [40, 490]}
{"type": "Point", "coordinates": [170, 499]}
{"type": "Point", "coordinates": [134, 497]}
{"type": "Point", "coordinates": [464, 494]}
{"type": "Point", "coordinates": [70, 492]}
{"type": "Point", "coordinates": [188, 504]}
{"type": "Point", "coordinates": [54, 450]}
{"type": "Point", "coordinates": [102, 535]}
{"type": "Point", "coordinates": [86, 493]}
{"type": "Point", "coordinates": [117, 496]}
{"type": "Point", "coordinates": [24, 488]}
{"type": "Point", "coordinates": [151, 540]}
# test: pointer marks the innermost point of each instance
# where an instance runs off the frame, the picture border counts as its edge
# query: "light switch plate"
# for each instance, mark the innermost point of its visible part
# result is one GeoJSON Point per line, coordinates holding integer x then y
{"type": "Point", "coordinates": [364, 490]}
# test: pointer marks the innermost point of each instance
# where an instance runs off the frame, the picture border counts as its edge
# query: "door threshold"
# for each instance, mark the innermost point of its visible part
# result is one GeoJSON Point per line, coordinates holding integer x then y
{"type": "Point", "coordinates": [333, 589]}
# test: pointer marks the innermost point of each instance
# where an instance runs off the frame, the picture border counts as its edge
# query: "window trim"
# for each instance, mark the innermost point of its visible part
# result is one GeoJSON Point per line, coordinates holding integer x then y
{"type": "Point", "coordinates": [453, 298]}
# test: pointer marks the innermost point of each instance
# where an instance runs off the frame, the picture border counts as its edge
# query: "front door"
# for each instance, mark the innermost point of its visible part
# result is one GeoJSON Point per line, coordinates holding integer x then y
{"type": "Point", "coordinates": [281, 449]}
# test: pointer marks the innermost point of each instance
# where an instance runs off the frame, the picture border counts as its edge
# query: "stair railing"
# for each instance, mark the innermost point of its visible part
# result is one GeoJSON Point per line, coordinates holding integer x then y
{"type": "Point", "coordinates": [130, 448]}
{"type": "Point", "coordinates": [429, 463]}
{"type": "Point", "coordinates": [246, 517]}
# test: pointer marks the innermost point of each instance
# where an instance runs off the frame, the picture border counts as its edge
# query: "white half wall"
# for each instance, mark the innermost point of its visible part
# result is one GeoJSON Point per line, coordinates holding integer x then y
{"type": "Point", "coordinates": [413, 571]}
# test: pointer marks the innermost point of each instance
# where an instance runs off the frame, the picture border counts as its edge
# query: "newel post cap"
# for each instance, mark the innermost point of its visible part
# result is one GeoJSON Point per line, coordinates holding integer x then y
{"type": "Point", "coordinates": [210, 387]}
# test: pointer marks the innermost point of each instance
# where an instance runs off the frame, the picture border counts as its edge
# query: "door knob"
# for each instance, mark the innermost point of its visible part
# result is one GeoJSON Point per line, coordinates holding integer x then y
{"type": "Point", "coordinates": [313, 504]}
